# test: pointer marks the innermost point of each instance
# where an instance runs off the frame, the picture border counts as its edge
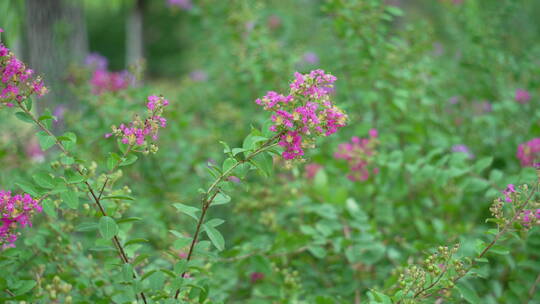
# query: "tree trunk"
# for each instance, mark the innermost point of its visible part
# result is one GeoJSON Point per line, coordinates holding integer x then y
{"type": "Point", "coordinates": [134, 35]}
{"type": "Point", "coordinates": [56, 37]}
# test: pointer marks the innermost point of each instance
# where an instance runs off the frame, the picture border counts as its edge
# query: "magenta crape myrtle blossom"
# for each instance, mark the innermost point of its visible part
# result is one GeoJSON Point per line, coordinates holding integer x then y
{"type": "Point", "coordinates": [103, 80]}
{"type": "Point", "coordinates": [508, 192]}
{"type": "Point", "coordinates": [522, 96]}
{"type": "Point", "coordinates": [359, 154]}
{"type": "Point", "coordinates": [16, 81]}
{"type": "Point", "coordinates": [311, 170]}
{"type": "Point", "coordinates": [140, 131]}
{"type": "Point", "coordinates": [530, 217]}
{"type": "Point", "coordinates": [529, 152]}
{"type": "Point", "coordinates": [305, 113]}
{"type": "Point", "coordinates": [15, 211]}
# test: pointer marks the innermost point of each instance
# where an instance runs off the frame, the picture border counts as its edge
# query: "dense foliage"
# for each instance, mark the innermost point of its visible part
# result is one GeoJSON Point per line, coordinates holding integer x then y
{"type": "Point", "coordinates": [338, 151]}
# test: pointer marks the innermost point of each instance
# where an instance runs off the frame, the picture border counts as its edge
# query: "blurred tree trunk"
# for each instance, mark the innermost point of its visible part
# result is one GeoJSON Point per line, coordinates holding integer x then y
{"type": "Point", "coordinates": [134, 34]}
{"type": "Point", "coordinates": [56, 37]}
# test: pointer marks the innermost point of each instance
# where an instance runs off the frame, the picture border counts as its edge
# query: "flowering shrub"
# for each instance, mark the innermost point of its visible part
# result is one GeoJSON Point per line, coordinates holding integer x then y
{"type": "Point", "coordinates": [240, 223]}
{"type": "Point", "coordinates": [18, 82]}
{"type": "Point", "coordinates": [305, 113]}
{"type": "Point", "coordinates": [15, 210]}
{"type": "Point", "coordinates": [136, 132]}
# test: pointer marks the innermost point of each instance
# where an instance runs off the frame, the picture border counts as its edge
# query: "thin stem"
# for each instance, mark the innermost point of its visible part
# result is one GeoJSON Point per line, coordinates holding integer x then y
{"type": "Point", "coordinates": [436, 280]}
{"type": "Point", "coordinates": [532, 290]}
{"type": "Point", "coordinates": [96, 198]}
{"type": "Point", "coordinates": [11, 294]}
{"type": "Point", "coordinates": [211, 193]}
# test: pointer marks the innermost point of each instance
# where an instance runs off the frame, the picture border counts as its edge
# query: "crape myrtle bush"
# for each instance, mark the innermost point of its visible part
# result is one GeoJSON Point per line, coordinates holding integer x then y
{"type": "Point", "coordinates": [428, 194]}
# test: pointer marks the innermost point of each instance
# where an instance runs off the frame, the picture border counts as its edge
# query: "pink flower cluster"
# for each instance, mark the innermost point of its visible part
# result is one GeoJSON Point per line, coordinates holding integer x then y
{"type": "Point", "coordinates": [15, 211]}
{"type": "Point", "coordinates": [17, 82]}
{"type": "Point", "coordinates": [305, 113]}
{"type": "Point", "coordinates": [137, 131]}
{"type": "Point", "coordinates": [312, 170]}
{"type": "Point", "coordinates": [528, 152]}
{"type": "Point", "coordinates": [522, 96]}
{"type": "Point", "coordinates": [529, 217]}
{"type": "Point", "coordinates": [508, 193]}
{"type": "Point", "coordinates": [103, 80]}
{"type": "Point", "coordinates": [359, 154]}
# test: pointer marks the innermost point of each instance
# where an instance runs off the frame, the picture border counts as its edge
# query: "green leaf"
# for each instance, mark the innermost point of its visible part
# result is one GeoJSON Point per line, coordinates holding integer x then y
{"type": "Point", "coordinates": [45, 141]}
{"type": "Point", "coordinates": [70, 198]}
{"type": "Point", "coordinates": [72, 177]}
{"type": "Point", "coordinates": [28, 103]}
{"type": "Point", "coordinates": [238, 150]}
{"type": "Point", "coordinates": [181, 242]}
{"type": "Point", "coordinates": [107, 227]}
{"type": "Point", "coordinates": [380, 297]}
{"type": "Point", "coordinates": [250, 142]}
{"type": "Point", "coordinates": [69, 139]}
{"type": "Point", "coordinates": [135, 241]}
{"type": "Point", "coordinates": [181, 266]}
{"type": "Point", "coordinates": [189, 210]}
{"type": "Point", "coordinates": [215, 236]}
{"type": "Point", "coordinates": [264, 163]}
{"type": "Point", "coordinates": [113, 160]}
{"type": "Point", "coordinates": [28, 188]}
{"type": "Point", "coordinates": [139, 259]}
{"type": "Point", "coordinates": [483, 164]}
{"type": "Point", "coordinates": [228, 164]}
{"type": "Point", "coordinates": [127, 272]}
{"type": "Point", "coordinates": [24, 117]}
{"type": "Point", "coordinates": [130, 159]}
{"type": "Point", "coordinates": [128, 220]}
{"type": "Point", "coordinates": [25, 287]}
{"type": "Point", "coordinates": [468, 293]}
{"type": "Point", "coordinates": [317, 251]}
{"type": "Point", "coordinates": [67, 160]}
{"type": "Point", "coordinates": [84, 227]}
{"type": "Point", "coordinates": [214, 222]}
{"type": "Point", "coordinates": [221, 199]}
{"type": "Point", "coordinates": [156, 280]}
{"type": "Point", "coordinates": [118, 197]}
{"type": "Point", "coordinates": [226, 148]}
{"type": "Point", "coordinates": [49, 208]}
{"type": "Point", "coordinates": [394, 10]}
{"type": "Point", "coordinates": [44, 179]}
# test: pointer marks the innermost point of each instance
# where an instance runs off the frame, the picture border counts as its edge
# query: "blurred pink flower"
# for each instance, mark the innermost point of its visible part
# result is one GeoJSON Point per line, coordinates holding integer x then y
{"type": "Point", "coordinates": [183, 4]}
{"type": "Point", "coordinates": [274, 22]}
{"type": "Point", "coordinates": [522, 96]}
{"type": "Point", "coordinates": [256, 276]}
{"type": "Point", "coordinates": [310, 58]}
{"type": "Point", "coordinates": [34, 152]}
{"type": "Point", "coordinates": [311, 170]}
{"type": "Point", "coordinates": [198, 75]}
